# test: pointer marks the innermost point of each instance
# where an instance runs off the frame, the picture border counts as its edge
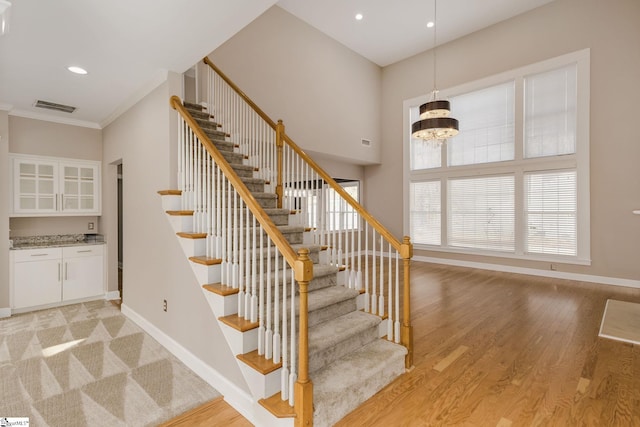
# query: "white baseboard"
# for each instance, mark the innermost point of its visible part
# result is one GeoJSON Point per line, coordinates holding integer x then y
{"type": "Point", "coordinates": [614, 281]}
{"type": "Point", "coordinates": [112, 295]}
{"type": "Point", "coordinates": [239, 399]}
{"type": "Point", "coordinates": [5, 312]}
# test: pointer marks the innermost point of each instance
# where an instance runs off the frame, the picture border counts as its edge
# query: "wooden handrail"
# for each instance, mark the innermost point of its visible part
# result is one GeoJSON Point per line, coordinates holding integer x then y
{"type": "Point", "coordinates": [241, 93]}
{"type": "Point", "coordinates": [272, 231]}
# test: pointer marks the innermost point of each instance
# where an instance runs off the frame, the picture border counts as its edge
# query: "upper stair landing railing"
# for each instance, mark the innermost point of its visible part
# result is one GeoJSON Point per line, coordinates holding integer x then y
{"type": "Point", "coordinates": [370, 255]}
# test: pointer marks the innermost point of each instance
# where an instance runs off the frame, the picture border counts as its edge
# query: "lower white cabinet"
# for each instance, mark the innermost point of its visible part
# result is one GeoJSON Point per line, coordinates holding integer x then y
{"type": "Point", "coordinates": [55, 275]}
{"type": "Point", "coordinates": [37, 277]}
{"type": "Point", "coordinates": [83, 272]}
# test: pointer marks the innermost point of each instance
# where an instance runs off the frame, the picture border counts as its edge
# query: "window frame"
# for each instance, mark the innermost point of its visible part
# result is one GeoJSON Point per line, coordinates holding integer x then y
{"type": "Point", "coordinates": [519, 166]}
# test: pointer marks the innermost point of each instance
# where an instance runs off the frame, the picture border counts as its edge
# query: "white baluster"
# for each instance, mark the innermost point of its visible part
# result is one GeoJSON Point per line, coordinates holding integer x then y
{"type": "Point", "coordinates": [284, 380]}
{"type": "Point", "coordinates": [269, 332]}
{"type": "Point", "coordinates": [235, 267]}
{"type": "Point", "coordinates": [276, 310]}
{"type": "Point", "coordinates": [293, 373]}
{"type": "Point", "coordinates": [261, 328]}
{"type": "Point", "coordinates": [390, 317]}
{"type": "Point", "coordinates": [367, 296]}
{"type": "Point", "coordinates": [381, 293]}
{"type": "Point", "coordinates": [374, 282]}
{"type": "Point", "coordinates": [254, 274]}
{"type": "Point", "coordinates": [397, 296]}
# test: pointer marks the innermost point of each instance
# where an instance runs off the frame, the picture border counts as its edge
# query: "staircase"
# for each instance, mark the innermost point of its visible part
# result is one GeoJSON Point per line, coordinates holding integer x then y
{"type": "Point", "coordinates": [240, 245]}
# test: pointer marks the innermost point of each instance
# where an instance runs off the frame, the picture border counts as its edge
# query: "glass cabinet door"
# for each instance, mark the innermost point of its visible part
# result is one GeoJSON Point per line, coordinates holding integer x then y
{"type": "Point", "coordinates": [79, 183]}
{"type": "Point", "coordinates": [35, 186]}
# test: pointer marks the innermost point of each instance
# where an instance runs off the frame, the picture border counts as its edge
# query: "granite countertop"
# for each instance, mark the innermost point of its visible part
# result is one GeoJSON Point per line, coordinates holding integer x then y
{"type": "Point", "coordinates": [57, 241]}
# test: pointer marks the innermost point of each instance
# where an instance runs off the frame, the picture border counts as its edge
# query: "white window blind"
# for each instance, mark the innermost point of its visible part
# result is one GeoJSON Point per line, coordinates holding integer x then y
{"type": "Point", "coordinates": [424, 154]}
{"type": "Point", "coordinates": [551, 212]}
{"type": "Point", "coordinates": [425, 212]}
{"type": "Point", "coordinates": [486, 120]}
{"type": "Point", "coordinates": [550, 112]}
{"type": "Point", "coordinates": [481, 213]}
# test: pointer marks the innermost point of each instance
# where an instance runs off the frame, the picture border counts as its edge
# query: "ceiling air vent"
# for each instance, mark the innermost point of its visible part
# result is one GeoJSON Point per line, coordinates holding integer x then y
{"type": "Point", "coordinates": [53, 106]}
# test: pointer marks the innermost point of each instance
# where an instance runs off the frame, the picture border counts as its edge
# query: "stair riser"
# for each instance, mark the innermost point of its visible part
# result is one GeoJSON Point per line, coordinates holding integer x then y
{"type": "Point", "coordinates": [328, 355]}
{"type": "Point", "coordinates": [199, 115]}
{"type": "Point", "coordinates": [243, 171]}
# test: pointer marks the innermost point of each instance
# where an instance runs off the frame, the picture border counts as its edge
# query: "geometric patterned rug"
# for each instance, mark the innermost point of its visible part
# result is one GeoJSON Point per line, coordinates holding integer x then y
{"type": "Point", "coordinates": [88, 365]}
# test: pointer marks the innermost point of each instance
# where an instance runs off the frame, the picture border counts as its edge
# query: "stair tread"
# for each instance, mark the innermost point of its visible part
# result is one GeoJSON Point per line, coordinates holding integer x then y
{"type": "Point", "coordinates": [180, 213]}
{"type": "Point", "coordinates": [170, 192]}
{"type": "Point", "coordinates": [259, 362]}
{"type": "Point", "coordinates": [238, 323]}
{"type": "Point", "coordinates": [220, 289]}
{"type": "Point", "coordinates": [185, 235]}
{"type": "Point", "coordinates": [278, 407]}
{"type": "Point", "coordinates": [205, 260]}
{"type": "Point", "coordinates": [334, 331]}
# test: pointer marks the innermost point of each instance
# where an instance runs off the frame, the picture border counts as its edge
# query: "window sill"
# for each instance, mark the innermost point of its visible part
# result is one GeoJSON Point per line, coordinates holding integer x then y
{"type": "Point", "coordinates": [494, 254]}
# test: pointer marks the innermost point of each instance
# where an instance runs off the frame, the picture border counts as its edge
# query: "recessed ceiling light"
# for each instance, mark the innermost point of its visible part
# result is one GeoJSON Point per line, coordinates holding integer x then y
{"type": "Point", "coordinates": [430, 24]}
{"type": "Point", "coordinates": [359, 17]}
{"type": "Point", "coordinates": [77, 70]}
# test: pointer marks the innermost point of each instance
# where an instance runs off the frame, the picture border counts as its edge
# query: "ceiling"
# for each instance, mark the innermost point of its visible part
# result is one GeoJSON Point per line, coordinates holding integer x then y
{"type": "Point", "coordinates": [127, 46]}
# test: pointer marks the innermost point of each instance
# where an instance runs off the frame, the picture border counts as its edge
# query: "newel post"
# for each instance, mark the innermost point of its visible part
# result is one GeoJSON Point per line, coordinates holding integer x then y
{"type": "Point", "coordinates": [303, 389]}
{"type": "Point", "coordinates": [279, 145]}
{"type": "Point", "coordinates": [406, 333]}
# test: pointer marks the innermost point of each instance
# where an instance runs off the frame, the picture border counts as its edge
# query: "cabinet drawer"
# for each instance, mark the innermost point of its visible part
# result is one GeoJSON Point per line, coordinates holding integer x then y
{"type": "Point", "coordinates": [80, 251]}
{"type": "Point", "coordinates": [24, 255]}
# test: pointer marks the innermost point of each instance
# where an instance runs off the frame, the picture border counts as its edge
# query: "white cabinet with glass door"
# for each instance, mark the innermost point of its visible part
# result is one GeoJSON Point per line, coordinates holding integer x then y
{"type": "Point", "coordinates": [35, 186]}
{"type": "Point", "coordinates": [49, 186]}
{"type": "Point", "coordinates": [79, 182]}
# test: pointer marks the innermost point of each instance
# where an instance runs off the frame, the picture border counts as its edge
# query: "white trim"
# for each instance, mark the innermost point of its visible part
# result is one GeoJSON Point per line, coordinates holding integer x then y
{"type": "Point", "coordinates": [5, 107]}
{"type": "Point", "coordinates": [603, 280]}
{"type": "Point", "coordinates": [55, 119]}
{"type": "Point", "coordinates": [156, 80]}
{"type": "Point", "coordinates": [239, 399]}
{"type": "Point", "coordinates": [113, 295]}
{"type": "Point", "coordinates": [5, 312]}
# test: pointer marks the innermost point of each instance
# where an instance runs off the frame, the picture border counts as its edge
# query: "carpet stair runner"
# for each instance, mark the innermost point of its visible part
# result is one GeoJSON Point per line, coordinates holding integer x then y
{"type": "Point", "coordinates": [348, 360]}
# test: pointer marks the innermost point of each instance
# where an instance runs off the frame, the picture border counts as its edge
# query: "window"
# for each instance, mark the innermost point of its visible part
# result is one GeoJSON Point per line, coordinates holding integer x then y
{"type": "Point", "coordinates": [425, 212]}
{"type": "Point", "coordinates": [315, 196]}
{"type": "Point", "coordinates": [341, 215]}
{"type": "Point", "coordinates": [481, 213]}
{"type": "Point", "coordinates": [515, 181]}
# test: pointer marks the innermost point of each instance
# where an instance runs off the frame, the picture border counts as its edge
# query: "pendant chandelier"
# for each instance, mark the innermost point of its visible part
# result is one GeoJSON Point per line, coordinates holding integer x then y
{"type": "Point", "coordinates": [435, 123]}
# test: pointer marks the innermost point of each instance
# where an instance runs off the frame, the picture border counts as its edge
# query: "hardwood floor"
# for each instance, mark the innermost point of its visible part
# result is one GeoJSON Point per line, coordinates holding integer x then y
{"type": "Point", "coordinates": [216, 413]}
{"type": "Point", "coordinates": [500, 349]}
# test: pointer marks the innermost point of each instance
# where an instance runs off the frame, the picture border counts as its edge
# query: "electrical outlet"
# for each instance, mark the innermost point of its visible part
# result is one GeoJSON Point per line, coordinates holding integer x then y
{"type": "Point", "coordinates": [164, 305]}
{"type": "Point", "coordinates": [553, 267]}
{"type": "Point", "coordinates": [91, 226]}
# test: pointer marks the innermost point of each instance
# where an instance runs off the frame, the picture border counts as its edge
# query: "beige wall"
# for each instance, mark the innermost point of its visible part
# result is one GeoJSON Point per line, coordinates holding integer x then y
{"type": "Point", "coordinates": [4, 211]}
{"type": "Point", "coordinates": [327, 95]}
{"type": "Point", "coordinates": [612, 31]}
{"type": "Point", "coordinates": [155, 267]}
{"type": "Point", "coordinates": [38, 137]}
